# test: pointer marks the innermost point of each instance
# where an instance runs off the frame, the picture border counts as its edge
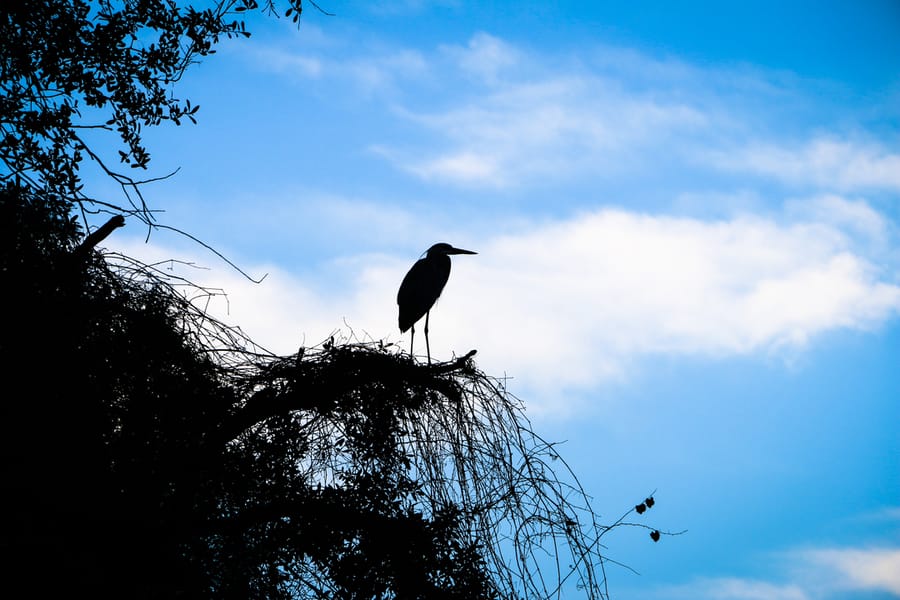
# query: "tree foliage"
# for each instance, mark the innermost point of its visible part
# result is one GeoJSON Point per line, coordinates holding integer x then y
{"type": "Point", "coordinates": [73, 72]}
{"type": "Point", "coordinates": [151, 451]}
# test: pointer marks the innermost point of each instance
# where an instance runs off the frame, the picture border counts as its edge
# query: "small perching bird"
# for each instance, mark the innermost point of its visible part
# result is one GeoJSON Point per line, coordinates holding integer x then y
{"type": "Point", "coordinates": [421, 288]}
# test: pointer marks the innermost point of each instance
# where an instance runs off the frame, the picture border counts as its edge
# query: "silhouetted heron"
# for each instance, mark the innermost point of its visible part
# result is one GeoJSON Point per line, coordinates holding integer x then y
{"type": "Point", "coordinates": [421, 288]}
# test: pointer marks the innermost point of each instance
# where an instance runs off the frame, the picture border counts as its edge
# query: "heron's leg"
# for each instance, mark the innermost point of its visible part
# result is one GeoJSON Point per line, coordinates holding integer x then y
{"type": "Point", "coordinates": [427, 345]}
{"type": "Point", "coordinates": [412, 338]}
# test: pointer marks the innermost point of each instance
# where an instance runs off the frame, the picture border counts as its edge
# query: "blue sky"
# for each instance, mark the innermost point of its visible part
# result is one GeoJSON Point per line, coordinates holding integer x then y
{"type": "Point", "coordinates": [687, 225]}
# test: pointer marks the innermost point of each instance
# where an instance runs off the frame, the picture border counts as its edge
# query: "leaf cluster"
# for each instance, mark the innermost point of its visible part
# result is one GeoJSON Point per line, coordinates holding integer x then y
{"type": "Point", "coordinates": [72, 70]}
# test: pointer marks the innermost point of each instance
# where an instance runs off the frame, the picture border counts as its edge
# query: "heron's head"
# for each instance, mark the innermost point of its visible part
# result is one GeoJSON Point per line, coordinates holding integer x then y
{"type": "Point", "coordinates": [445, 248]}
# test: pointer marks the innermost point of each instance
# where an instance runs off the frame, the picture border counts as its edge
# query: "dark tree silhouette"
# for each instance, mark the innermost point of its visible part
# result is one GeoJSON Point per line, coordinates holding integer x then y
{"type": "Point", "coordinates": [150, 451]}
{"type": "Point", "coordinates": [155, 452]}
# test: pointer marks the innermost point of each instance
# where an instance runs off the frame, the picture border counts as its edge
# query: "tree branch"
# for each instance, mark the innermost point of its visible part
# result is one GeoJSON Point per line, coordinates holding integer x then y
{"type": "Point", "coordinates": [99, 235]}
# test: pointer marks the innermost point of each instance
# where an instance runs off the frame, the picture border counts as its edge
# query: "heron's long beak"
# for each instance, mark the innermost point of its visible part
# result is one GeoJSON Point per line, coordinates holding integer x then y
{"type": "Point", "coordinates": [459, 251]}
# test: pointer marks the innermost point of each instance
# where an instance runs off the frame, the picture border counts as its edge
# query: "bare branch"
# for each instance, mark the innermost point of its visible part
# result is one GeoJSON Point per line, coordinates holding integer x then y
{"type": "Point", "coordinates": [100, 234]}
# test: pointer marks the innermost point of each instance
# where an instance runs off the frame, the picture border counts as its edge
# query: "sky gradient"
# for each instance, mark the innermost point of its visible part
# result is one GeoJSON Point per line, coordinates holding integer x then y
{"type": "Point", "coordinates": [687, 227]}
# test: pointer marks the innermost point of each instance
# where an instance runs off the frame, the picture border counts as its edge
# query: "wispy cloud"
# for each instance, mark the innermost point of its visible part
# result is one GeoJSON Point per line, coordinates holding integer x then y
{"type": "Point", "coordinates": [812, 574]}
{"type": "Point", "coordinates": [733, 588]}
{"type": "Point", "coordinates": [853, 214]}
{"type": "Point", "coordinates": [485, 57]}
{"type": "Point", "coordinates": [876, 569]}
{"type": "Point", "coordinates": [487, 113]}
{"type": "Point", "coordinates": [320, 57]}
{"type": "Point", "coordinates": [544, 131]}
{"type": "Point", "coordinates": [824, 161]}
{"type": "Point", "coordinates": [492, 115]}
{"type": "Point", "coordinates": [293, 63]}
{"type": "Point", "coordinates": [520, 121]}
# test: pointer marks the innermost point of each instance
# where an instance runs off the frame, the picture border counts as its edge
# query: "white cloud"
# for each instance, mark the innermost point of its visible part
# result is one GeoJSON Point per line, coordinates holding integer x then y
{"type": "Point", "coordinates": [294, 63]}
{"type": "Point", "coordinates": [320, 57]}
{"type": "Point", "coordinates": [876, 569]}
{"type": "Point", "coordinates": [812, 574]}
{"type": "Point", "coordinates": [733, 588]}
{"type": "Point", "coordinates": [827, 162]}
{"type": "Point", "coordinates": [841, 212]}
{"type": "Point", "coordinates": [571, 303]}
{"type": "Point", "coordinates": [383, 70]}
{"type": "Point", "coordinates": [485, 56]}
{"type": "Point", "coordinates": [464, 167]}
{"type": "Point", "coordinates": [543, 130]}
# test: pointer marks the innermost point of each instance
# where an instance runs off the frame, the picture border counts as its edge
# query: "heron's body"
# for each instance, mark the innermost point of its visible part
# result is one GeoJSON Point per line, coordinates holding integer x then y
{"type": "Point", "coordinates": [422, 286]}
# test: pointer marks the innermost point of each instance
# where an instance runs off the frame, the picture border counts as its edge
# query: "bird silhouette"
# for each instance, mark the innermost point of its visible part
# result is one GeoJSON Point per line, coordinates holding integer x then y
{"type": "Point", "coordinates": [421, 288]}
